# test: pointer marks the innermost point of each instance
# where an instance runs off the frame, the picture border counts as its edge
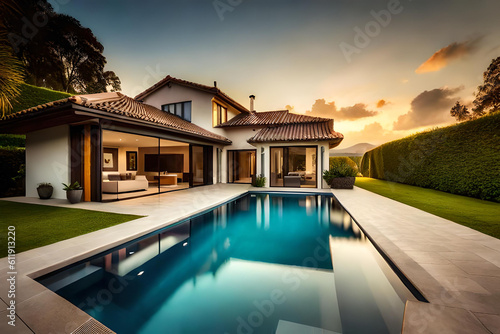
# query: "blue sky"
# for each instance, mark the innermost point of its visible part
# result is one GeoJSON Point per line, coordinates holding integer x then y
{"type": "Point", "coordinates": [293, 53]}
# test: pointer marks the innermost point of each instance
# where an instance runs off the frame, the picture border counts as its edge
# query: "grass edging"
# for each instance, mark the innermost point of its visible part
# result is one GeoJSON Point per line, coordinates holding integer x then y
{"type": "Point", "coordinates": [40, 225]}
{"type": "Point", "coordinates": [477, 214]}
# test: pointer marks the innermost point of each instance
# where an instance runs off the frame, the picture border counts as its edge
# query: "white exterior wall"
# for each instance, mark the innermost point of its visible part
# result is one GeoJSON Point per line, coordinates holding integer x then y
{"type": "Point", "coordinates": [267, 153]}
{"type": "Point", "coordinates": [48, 156]}
{"type": "Point", "coordinates": [201, 106]}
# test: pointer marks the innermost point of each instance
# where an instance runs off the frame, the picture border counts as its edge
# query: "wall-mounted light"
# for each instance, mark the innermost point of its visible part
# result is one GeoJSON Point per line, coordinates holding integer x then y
{"type": "Point", "coordinates": [140, 273]}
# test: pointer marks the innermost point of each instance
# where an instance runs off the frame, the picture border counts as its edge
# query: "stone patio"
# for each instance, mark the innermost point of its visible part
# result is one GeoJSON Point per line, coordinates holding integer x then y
{"type": "Point", "coordinates": [455, 268]}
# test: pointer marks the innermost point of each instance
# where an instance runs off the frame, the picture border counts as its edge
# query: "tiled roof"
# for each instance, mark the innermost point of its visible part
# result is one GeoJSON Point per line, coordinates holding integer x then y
{"type": "Point", "coordinates": [119, 104]}
{"type": "Point", "coordinates": [210, 89]}
{"type": "Point", "coordinates": [299, 132]}
{"type": "Point", "coordinates": [270, 118]}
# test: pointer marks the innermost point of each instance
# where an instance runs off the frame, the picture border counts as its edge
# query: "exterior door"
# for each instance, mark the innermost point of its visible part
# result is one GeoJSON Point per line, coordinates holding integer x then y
{"type": "Point", "coordinates": [201, 165]}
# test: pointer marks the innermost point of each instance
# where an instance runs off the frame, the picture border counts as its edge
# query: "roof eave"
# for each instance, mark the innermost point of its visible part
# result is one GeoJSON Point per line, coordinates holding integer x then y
{"type": "Point", "coordinates": [130, 120]}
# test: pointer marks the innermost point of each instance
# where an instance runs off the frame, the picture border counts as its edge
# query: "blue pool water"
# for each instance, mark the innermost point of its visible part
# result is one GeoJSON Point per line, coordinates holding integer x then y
{"type": "Point", "coordinates": [263, 263]}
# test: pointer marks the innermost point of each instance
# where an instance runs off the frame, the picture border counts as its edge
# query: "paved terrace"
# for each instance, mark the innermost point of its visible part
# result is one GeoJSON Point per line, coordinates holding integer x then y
{"type": "Point", "coordinates": [457, 269]}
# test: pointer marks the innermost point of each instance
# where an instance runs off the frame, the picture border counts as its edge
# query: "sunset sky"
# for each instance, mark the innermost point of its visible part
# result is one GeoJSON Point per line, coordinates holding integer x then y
{"type": "Point", "coordinates": [381, 69]}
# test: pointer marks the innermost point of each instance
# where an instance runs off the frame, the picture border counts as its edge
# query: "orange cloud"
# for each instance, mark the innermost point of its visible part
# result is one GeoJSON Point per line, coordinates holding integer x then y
{"type": "Point", "coordinates": [382, 103]}
{"type": "Point", "coordinates": [428, 108]}
{"type": "Point", "coordinates": [321, 108]}
{"type": "Point", "coordinates": [444, 56]}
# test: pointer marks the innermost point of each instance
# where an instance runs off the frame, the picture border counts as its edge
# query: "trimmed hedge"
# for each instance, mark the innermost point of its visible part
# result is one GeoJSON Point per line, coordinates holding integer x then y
{"type": "Point", "coordinates": [462, 159]}
{"type": "Point", "coordinates": [7, 140]}
{"type": "Point", "coordinates": [12, 160]}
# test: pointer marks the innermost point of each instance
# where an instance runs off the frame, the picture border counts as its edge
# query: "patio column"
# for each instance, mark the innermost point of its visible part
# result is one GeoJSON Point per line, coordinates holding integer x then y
{"type": "Point", "coordinates": [87, 155]}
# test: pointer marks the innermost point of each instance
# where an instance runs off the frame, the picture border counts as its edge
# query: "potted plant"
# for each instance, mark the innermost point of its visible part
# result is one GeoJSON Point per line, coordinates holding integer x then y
{"type": "Point", "coordinates": [342, 173]}
{"type": "Point", "coordinates": [73, 192]}
{"type": "Point", "coordinates": [45, 190]}
{"type": "Point", "coordinates": [260, 181]}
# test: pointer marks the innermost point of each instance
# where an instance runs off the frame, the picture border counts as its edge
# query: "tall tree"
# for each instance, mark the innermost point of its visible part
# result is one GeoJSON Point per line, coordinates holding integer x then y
{"type": "Point", "coordinates": [80, 61]}
{"type": "Point", "coordinates": [57, 51]}
{"type": "Point", "coordinates": [11, 71]}
{"type": "Point", "coordinates": [460, 112]}
{"type": "Point", "coordinates": [488, 94]}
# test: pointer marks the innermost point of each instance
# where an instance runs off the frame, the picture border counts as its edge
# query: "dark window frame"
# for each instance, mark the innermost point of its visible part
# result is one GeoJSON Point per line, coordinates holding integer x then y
{"type": "Point", "coordinates": [221, 110]}
{"type": "Point", "coordinates": [171, 108]}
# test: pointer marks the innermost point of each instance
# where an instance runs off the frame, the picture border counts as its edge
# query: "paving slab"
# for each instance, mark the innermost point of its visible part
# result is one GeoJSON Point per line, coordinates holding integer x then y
{"type": "Point", "coordinates": [457, 269]}
{"type": "Point", "coordinates": [19, 328]}
{"type": "Point", "coordinates": [438, 319]}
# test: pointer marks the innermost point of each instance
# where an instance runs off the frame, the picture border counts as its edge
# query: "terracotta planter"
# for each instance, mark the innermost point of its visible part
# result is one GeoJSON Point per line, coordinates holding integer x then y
{"type": "Point", "coordinates": [45, 192]}
{"type": "Point", "coordinates": [74, 196]}
{"type": "Point", "coordinates": [343, 182]}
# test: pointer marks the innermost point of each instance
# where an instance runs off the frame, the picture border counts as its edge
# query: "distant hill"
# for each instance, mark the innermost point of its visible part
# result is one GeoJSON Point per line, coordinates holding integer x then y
{"type": "Point", "coordinates": [355, 150]}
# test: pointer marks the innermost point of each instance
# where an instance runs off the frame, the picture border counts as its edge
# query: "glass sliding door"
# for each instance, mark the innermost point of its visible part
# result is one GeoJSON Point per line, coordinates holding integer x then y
{"type": "Point", "coordinates": [173, 161]}
{"type": "Point", "coordinates": [241, 166]}
{"type": "Point", "coordinates": [197, 165]}
{"type": "Point", "coordinates": [294, 166]}
{"type": "Point", "coordinates": [201, 167]}
{"type": "Point", "coordinates": [135, 165]}
{"type": "Point", "coordinates": [277, 166]}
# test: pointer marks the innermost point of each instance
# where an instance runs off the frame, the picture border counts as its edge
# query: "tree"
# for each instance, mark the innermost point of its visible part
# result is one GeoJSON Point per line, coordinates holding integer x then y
{"type": "Point", "coordinates": [80, 61]}
{"type": "Point", "coordinates": [57, 51]}
{"type": "Point", "coordinates": [460, 112]}
{"type": "Point", "coordinates": [11, 71]}
{"type": "Point", "coordinates": [112, 81]}
{"type": "Point", "coordinates": [488, 94]}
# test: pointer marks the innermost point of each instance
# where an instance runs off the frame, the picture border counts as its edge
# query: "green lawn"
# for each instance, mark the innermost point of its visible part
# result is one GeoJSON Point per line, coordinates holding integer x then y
{"type": "Point", "coordinates": [40, 225]}
{"type": "Point", "coordinates": [480, 215]}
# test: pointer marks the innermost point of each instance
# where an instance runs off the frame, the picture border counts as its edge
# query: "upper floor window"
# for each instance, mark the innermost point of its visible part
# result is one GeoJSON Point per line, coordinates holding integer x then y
{"type": "Point", "coordinates": [181, 109]}
{"type": "Point", "coordinates": [219, 114]}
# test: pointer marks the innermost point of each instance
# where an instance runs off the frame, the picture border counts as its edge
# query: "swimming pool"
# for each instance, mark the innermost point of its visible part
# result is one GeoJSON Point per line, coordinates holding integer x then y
{"type": "Point", "coordinates": [263, 263]}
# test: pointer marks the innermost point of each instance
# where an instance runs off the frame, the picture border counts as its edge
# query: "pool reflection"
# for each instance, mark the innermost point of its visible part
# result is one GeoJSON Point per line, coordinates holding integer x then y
{"type": "Point", "coordinates": [206, 274]}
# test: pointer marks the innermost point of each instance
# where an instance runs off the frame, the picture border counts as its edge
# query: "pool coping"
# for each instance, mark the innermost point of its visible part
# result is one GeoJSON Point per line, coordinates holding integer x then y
{"type": "Point", "coordinates": [65, 317]}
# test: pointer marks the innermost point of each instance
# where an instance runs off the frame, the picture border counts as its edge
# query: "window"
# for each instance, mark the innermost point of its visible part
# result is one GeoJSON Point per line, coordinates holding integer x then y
{"type": "Point", "coordinates": [219, 114]}
{"type": "Point", "coordinates": [181, 109]}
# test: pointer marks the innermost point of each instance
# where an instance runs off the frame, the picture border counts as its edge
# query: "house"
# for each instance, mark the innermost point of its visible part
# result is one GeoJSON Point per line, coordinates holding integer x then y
{"type": "Point", "coordinates": [176, 134]}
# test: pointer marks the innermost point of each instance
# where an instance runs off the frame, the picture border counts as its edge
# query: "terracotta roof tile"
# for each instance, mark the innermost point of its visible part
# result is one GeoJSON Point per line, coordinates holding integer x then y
{"type": "Point", "coordinates": [119, 104]}
{"type": "Point", "coordinates": [316, 131]}
{"type": "Point", "coordinates": [270, 118]}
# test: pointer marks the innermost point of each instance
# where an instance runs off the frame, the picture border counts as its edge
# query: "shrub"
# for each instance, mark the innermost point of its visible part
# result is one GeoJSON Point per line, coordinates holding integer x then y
{"type": "Point", "coordinates": [8, 140]}
{"type": "Point", "coordinates": [343, 167]}
{"type": "Point", "coordinates": [11, 174]}
{"type": "Point", "coordinates": [260, 181]}
{"type": "Point", "coordinates": [340, 167]}
{"type": "Point", "coordinates": [357, 160]}
{"type": "Point", "coordinates": [461, 159]}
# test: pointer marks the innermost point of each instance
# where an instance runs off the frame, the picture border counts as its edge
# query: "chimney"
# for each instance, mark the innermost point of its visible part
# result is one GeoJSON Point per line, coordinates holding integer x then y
{"type": "Point", "coordinates": [252, 99]}
{"type": "Point", "coordinates": [215, 84]}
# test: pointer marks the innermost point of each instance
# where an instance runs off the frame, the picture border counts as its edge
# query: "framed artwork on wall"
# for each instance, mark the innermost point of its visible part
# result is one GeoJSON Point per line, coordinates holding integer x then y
{"type": "Point", "coordinates": [110, 159]}
{"type": "Point", "coordinates": [131, 160]}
